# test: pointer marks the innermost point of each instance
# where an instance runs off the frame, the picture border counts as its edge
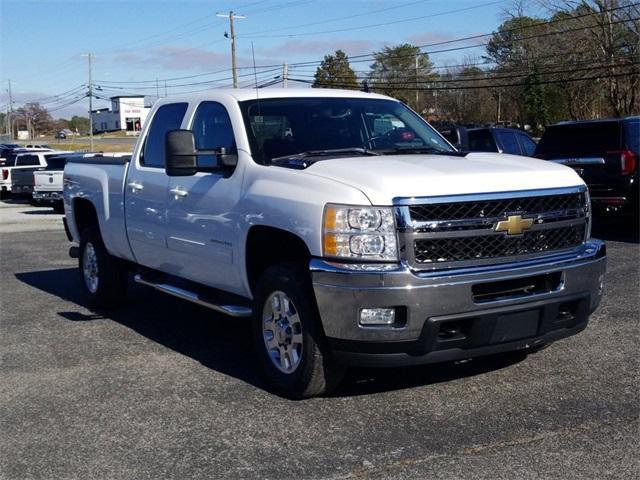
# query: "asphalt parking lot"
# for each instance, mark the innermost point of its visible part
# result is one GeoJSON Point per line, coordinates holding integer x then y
{"type": "Point", "coordinates": [165, 389]}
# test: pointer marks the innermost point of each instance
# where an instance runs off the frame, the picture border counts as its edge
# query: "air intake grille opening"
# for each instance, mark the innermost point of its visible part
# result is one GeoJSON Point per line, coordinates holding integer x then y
{"type": "Point", "coordinates": [435, 250]}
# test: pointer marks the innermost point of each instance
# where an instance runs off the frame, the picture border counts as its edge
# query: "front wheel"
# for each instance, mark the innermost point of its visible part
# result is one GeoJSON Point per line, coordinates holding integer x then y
{"type": "Point", "coordinates": [288, 336]}
{"type": "Point", "coordinates": [104, 276]}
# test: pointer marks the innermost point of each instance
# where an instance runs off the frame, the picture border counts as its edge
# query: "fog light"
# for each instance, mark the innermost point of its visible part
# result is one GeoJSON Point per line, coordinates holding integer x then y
{"type": "Point", "coordinates": [377, 316]}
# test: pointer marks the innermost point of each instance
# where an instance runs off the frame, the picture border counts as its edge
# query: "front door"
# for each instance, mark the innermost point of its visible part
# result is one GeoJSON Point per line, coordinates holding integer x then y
{"type": "Point", "coordinates": [202, 229]}
{"type": "Point", "coordinates": [146, 190]}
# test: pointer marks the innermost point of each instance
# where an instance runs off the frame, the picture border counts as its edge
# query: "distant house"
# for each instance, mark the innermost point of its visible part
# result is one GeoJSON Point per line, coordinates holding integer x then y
{"type": "Point", "coordinates": [127, 114]}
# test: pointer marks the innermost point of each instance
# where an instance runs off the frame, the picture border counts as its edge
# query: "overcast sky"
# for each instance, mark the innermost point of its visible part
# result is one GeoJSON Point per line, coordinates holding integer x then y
{"type": "Point", "coordinates": [42, 42]}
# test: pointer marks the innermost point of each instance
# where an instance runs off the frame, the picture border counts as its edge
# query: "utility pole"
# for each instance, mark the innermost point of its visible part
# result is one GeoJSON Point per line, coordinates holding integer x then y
{"type": "Point", "coordinates": [232, 34]}
{"type": "Point", "coordinates": [10, 113]}
{"type": "Point", "coordinates": [498, 107]}
{"type": "Point", "coordinates": [157, 90]}
{"type": "Point", "coordinates": [285, 75]}
{"type": "Point", "coordinates": [89, 57]}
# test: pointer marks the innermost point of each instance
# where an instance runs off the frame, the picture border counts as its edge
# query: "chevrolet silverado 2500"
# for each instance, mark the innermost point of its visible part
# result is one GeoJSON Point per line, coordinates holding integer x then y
{"type": "Point", "coordinates": [344, 226]}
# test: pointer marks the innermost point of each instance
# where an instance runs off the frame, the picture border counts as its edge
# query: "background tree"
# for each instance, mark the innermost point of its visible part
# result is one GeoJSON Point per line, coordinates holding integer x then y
{"type": "Point", "coordinates": [79, 124]}
{"type": "Point", "coordinates": [35, 118]}
{"type": "Point", "coordinates": [335, 72]}
{"type": "Point", "coordinates": [401, 72]}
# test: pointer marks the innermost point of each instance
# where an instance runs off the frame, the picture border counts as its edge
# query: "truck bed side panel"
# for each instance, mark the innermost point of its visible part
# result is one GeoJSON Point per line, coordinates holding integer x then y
{"type": "Point", "coordinates": [103, 186]}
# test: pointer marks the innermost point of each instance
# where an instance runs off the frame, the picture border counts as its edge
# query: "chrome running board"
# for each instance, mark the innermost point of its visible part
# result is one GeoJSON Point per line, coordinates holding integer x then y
{"type": "Point", "coordinates": [231, 310]}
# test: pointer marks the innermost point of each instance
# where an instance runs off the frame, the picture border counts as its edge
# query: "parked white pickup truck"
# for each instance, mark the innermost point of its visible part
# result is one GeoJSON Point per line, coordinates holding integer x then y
{"type": "Point", "coordinates": [347, 228]}
{"type": "Point", "coordinates": [20, 158]}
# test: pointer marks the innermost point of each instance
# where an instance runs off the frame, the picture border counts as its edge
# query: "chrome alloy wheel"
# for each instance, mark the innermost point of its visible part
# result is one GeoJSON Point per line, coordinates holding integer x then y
{"type": "Point", "coordinates": [282, 332]}
{"type": "Point", "coordinates": [90, 268]}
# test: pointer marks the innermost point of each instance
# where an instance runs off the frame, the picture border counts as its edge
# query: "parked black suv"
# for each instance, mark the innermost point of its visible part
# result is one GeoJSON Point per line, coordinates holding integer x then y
{"type": "Point", "coordinates": [604, 153]}
{"type": "Point", "coordinates": [503, 140]}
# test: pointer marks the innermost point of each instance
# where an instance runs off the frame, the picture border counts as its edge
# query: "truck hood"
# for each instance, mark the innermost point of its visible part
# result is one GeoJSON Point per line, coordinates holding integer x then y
{"type": "Point", "coordinates": [387, 177]}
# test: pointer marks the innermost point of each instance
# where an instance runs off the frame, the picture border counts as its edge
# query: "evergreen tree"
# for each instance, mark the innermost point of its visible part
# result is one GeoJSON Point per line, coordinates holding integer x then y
{"type": "Point", "coordinates": [335, 72]}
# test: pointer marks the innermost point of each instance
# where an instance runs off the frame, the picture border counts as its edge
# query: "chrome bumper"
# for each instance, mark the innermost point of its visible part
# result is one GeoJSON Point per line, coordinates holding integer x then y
{"type": "Point", "coordinates": [53, 196]}
{"type": "Point", "coordinates": [427, 299]}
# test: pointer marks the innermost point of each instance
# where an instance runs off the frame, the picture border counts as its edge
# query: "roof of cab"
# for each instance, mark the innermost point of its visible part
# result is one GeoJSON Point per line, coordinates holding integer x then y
{"type": "Point", "coordinates": [242, 94]}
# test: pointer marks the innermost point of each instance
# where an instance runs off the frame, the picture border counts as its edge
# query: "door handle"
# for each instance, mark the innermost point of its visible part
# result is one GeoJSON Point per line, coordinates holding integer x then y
{"type": "Point", "coordinates": [135, 186]}
{"type": "Point", "coordinates": [178, 192]}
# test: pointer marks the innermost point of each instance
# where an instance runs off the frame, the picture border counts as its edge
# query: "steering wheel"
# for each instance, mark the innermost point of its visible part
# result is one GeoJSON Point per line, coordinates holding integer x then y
{"type": "Point", "coordinates": [373, 141]}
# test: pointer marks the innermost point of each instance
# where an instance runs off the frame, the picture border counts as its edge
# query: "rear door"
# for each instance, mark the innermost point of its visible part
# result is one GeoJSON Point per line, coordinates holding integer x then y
{"type": "Point", "coordinates": [146, 190]}
{"type": "Point", "coordinates": [201, 236]}
{"type": "Point", "coordinates": [592, 149]}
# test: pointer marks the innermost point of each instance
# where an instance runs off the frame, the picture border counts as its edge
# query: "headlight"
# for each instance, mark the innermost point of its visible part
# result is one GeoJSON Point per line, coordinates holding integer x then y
{"type": "Point", "coordinates": [364, 233]}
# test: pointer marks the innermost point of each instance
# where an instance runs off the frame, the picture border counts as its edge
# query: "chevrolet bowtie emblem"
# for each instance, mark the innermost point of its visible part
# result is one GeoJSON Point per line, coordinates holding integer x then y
{"type": "Point", "coordinates": [514, 225]}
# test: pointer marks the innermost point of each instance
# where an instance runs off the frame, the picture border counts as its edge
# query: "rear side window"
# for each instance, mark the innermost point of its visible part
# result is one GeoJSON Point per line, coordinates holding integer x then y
{"type": "Point", "coordinates": [56, 163]}
{"type": "Point", "coordinates": [632, 135]}
{"type": "Point", "coordinates": [579, 140]}
{"type": "Point", "coordinates": [167, 118]}
{"type": "Point", "coordinates": [481, 141]}
{"type": "Point", "coordinates": [509, 142]}
{"type": "Point", "coordinates": [527, 145]}
{"type": "Point", "coordinates": [212, 130]}
{"type": "Point", "coordinates": [27, 160]}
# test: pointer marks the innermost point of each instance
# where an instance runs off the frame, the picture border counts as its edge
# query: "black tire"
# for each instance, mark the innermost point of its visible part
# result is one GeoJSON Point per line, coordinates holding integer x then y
{"type": "Point", "coordinates": [316, 373]}
{"type": "Point", "coordinates": [4, 194]}
{"type": "Point", "coordinates": [110, 289]}
{"type": "Point", "coordinates": [58, 207]}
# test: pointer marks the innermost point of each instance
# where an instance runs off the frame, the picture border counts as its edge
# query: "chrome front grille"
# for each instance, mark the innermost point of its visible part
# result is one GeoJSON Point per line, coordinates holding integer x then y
{"type": "Point", "coordinates": [460, 231]}
{"type": "Point", "coordinates": [496, 246]}
{"type": "Point", "coordinates": [496, 207]}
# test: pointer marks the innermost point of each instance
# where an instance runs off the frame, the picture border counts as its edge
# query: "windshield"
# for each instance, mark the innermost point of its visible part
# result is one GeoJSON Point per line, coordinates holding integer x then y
{"type": "Point", "coordinates": [279, 127]}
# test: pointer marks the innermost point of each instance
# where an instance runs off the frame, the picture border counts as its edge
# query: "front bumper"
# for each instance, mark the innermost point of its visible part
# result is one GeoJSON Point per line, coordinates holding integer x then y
{"type": "Point", "coordinates": [439, 318]}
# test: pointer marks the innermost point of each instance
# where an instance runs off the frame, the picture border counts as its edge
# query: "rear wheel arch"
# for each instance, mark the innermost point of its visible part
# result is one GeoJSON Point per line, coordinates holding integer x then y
{"type": "Point", "coordinates": [84, 215]}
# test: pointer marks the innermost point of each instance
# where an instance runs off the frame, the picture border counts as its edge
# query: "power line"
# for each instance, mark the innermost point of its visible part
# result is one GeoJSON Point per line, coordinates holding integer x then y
{"type": "Point", "coordinates": [335, 19]}
{"type": "Point", "coordinates": [476, 87]}
{"type": "Point", "coordinates": [383, 24]}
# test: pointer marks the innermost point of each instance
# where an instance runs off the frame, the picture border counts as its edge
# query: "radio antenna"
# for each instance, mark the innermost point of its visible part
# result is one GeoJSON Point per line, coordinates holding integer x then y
{"type": "Point", "coordinates": [255, 78]}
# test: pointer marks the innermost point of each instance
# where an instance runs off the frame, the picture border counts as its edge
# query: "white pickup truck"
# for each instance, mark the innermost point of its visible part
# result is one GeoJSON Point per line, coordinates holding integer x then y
{"type": "Point", "coordinates": [344, 226]}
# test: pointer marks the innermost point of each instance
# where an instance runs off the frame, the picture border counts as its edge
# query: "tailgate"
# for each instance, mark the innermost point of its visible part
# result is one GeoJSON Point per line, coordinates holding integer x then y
{"type": "Point", "coordinates": [48, 181]}
{"type": "Point", "coordinates": [23, 176]}
{"type": "Point", "coordinates": [593, 150]}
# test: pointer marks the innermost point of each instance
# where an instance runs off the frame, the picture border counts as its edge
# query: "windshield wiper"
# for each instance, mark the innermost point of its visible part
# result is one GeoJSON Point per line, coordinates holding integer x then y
{"type": "Point", "coordinates": [325, 153]}
{"type": "Point", "coordinates": [418, 149]}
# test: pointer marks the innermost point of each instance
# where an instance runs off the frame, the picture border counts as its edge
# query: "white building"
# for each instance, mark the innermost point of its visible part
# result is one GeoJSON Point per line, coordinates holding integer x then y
{"type": "Point", "coordinates": [127, 113]}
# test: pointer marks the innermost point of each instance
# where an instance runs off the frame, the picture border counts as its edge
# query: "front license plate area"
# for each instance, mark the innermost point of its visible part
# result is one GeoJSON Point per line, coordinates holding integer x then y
{"type": "Point", "coordinates": [514, 326]}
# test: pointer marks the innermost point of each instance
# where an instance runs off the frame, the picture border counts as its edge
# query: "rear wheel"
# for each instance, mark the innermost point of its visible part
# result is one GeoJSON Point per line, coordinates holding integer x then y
{"type": "Point", "coordinates": [288, 336]}
{"type": "Point", "coordinates": [104, 276]}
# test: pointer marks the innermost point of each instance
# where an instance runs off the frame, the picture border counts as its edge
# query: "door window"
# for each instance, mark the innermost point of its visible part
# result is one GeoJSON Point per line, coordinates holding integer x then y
{"type": "Point", "coordinates": [167, 118]}
{"type": "Point", "coordinates": [528, 145]}
{"type": "Point", "coordinates": [481, 141]}
{"type": "Point", "coordinates": [212, 131]}
{"type": "Point", "coordinates": [509, 143]}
